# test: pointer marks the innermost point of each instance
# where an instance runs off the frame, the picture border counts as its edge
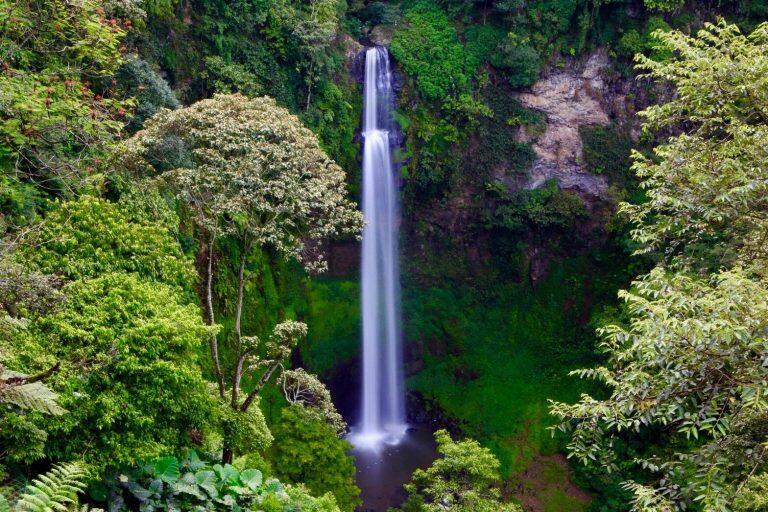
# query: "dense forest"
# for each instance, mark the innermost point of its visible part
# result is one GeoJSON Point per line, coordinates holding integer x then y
{"type": "Point", "coordinates": [583, 193]}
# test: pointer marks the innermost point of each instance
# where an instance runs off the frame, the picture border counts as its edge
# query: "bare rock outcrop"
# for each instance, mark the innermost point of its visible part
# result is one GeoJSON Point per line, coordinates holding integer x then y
{"type": "Point", "coordinates": [575, 96]}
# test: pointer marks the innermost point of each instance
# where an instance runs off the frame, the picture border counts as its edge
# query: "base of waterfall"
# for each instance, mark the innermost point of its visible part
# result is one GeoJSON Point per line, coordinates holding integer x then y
{"type": "Point", "coordinates": [377, 439]}
{"type": "Point", "coordinates": [382, 472]}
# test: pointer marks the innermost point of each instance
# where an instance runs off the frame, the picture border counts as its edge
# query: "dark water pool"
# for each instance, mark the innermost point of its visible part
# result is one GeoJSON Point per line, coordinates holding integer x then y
{"type": "Point", "coordinates": [381, 474]}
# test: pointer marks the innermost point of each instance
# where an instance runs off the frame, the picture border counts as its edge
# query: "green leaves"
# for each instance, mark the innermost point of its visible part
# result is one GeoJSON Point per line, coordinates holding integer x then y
{"type": "Point", "coordinates": [257, 176]}
{"type": "Point", "coordinates": [55, 490]}
{"type": "Point", "coordinates": [34, 396]}
{"type": "Point", "coordinates": [690, 363]}
{"type": "Point", "coordinates": [306, 447]}
{"type": "Point", "coordinates": [251, 478]}
{"type": "Point", "coordinates": [89, 237]}
{"type": "Point", "coordinates": [190, 484]}
{"type": "Point", "coordinates": [55, 124]}
{"type": "Point", "coordinates": [143, 390]}
{"type": "Point", "coordinates": [430, 51]}
{"type": "Point", "coordinates": [166, 469]}
{"type": "Point", "coordinates": [206, 480]}
{"type": "Point", "coordinates": [464, 479]}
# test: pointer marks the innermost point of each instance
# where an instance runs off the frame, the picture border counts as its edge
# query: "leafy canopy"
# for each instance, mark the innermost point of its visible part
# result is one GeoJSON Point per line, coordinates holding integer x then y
{"type": "Point", "coordinates": [249, 168]}
{"type": "Point", "coordinates": [430, 51]}
{"type": "Point", "coordinates": [129, 375]}
{"type": "Point", "coordinates": [689, 364]}
{"type": "Point", "coordinates": [464, 479]}
{"type": "Point", "coordinates": [56, 124]}
{"type": "Point", "coordinates": [708, 197]}
{"type": "Point", "coordinates": [308, 450]}
{"type": "Point", "coordinates": [89, 237]}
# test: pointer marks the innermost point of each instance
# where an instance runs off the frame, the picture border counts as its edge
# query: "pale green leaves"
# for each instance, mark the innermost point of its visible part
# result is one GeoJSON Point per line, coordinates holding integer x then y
{"type": "Point", "coordinates": [56, 490]}
{"type": "Point", "coordinates": [252, 172]}
{"type": "Point", "coordinates": [34, 396]}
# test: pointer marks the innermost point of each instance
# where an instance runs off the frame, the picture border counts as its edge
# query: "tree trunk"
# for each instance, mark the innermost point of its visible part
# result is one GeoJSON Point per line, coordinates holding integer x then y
{"type": "Point", "coordinates": [214, 342]}
{"type": "Point", "coordinates": [238, 329]}
{"type": "Point", "coordinates": [257, 389]}
{"type": "Point", "coordinates": [226, 455]}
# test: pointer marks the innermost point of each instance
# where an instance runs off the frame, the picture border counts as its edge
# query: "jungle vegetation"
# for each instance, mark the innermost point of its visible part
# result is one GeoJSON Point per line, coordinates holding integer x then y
{"type": "Point", "coordinates": [175, 176]}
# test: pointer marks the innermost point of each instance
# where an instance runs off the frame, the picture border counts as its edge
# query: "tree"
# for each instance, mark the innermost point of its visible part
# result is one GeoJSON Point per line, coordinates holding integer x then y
{"type": "Point", "coordinates": [463, 479]}
{"type": "Point", "coordinates": [305, 390]}
{"type": "Point", "coordinates": [56, 125]}
{"type": "Point", "coordinates": [308, 450]}
{"type": "Point", "coordinates": [128, 371]}
{"type": "Point", "coordinates": [89, 237]}
{"type": "Point", "coordinates": [707, 194]}
{"type": "Point", "coordinates": [519, 59]}
{"type": "Point", "coordinates": [252, 175]}
{"type": "Point", "coordinates": [689, 363]}
{"type": "Point", "coordinates": [149, 89]}
{"type": "Point", "coordinates": [316, 29]}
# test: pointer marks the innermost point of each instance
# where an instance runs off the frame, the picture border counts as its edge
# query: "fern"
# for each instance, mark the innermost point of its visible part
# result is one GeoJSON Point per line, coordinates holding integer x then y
{"type": "Point", "coordinates": [4, 506]}
{"type": "Point", "coordinates": [54, 491]}
{"type": "Point", "coordinates": [34, 396]}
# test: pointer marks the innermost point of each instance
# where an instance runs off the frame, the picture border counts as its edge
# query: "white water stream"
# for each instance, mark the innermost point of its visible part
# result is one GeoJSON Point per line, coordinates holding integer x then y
{"type": "Point", "coordinates": [382, 419]}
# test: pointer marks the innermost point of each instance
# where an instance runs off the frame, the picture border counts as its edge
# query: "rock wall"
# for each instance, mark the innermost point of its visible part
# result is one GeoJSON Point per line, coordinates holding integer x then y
{"type": "Point", "coordinates": [585, 92]}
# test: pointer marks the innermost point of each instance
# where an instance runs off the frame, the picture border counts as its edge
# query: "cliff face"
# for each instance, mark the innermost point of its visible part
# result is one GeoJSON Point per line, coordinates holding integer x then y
{"type": "Point", "coordinates": [570, 98]}
{"type": "Point", "coordinates": [586, 93]}
{"type": "Point", "coordinates": [446, 237]}
{"type": "Point", "coordinates": [583, 94]}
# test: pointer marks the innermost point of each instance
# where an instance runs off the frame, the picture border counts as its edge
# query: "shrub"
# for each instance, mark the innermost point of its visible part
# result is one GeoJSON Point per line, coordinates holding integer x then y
{"type": "Point", "coordinates": [307, 450]}
{"type": "Point", "coordinates": [151, 91]}
{"type": "Point", "coordinates": [430, 51]}
{"type": "Point", "coordinates": [129, 375]}
{"type": "Point", "coordinates": [520, 60]}
{"type": "Point", "coordinates": [89, 237]}
{"type": "Point", "coordinates": [464, 479]}
{"type": "Point", "coordinates": [606, 150]}
{"type": "Point", "coordinates": [167, 483]}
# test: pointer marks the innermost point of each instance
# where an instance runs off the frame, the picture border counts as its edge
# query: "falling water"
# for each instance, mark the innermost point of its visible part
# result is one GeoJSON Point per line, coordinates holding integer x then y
{"type": "Point", "coordinates": [383, 411]}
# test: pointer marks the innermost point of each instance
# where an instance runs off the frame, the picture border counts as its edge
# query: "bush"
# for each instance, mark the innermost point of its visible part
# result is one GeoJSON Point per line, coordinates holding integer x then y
{"type": "Point", "coordinates": [520, 60]}
{"type": "Point", "coordinates": [90, 237]}
{"type": "Point", "coordinates": [226, 77]}
{"type": "Point", "coordinates": [167, 483]}
{"type": "Point", "coordinates": [545, 207]}
{"type": "Point", "coordinates": [464, 479]}
{"type": "Point", "coordinates": [151, 91]}
{"type": "Point", "coordinates": [606, 151]}
{"type": "Point", "coordinates": [307, 450]}
{"type": "Point", "coordinates": [129, 375]}
{"type": "Point", "coordinates": [430, 51]}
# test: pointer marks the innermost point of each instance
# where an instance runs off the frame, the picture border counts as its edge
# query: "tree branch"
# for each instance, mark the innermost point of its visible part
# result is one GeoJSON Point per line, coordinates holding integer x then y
{"type": "Point", "coordinates": [214, 342]}
{"type": "Point", "coordinates": [257, 389]}
{"type": "Point", "coordinates": [29, 379]}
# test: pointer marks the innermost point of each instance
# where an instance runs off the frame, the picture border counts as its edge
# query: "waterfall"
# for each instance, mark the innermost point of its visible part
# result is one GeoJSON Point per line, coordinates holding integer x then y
{"type": "Point", "coordinates": [383, 410]}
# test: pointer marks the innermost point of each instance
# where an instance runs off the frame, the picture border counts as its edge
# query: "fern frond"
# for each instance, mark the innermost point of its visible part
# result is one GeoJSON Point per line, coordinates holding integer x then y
{"type": "Point", "coordinates": [34, 396]}
{"type": "Point", "coordinates": [4, 506]}
{"type": "Point", "coordinates": [55, 491]}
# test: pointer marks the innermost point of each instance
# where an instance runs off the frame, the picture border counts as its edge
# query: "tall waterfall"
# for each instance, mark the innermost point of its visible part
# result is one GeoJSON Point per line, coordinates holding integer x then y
{"type": "Point", "coordinates": [383, 410]}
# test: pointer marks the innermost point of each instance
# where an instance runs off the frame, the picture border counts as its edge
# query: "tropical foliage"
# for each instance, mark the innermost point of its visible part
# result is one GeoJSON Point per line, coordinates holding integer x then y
{"type": "Point", "coordinates": [464, 479]}
{"type": "Point", "coordinates": [167, 483]}
{"type": "Point", "coordinates": [690, 360]}
{"type": "Point", "coordinates": [174, 174]}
